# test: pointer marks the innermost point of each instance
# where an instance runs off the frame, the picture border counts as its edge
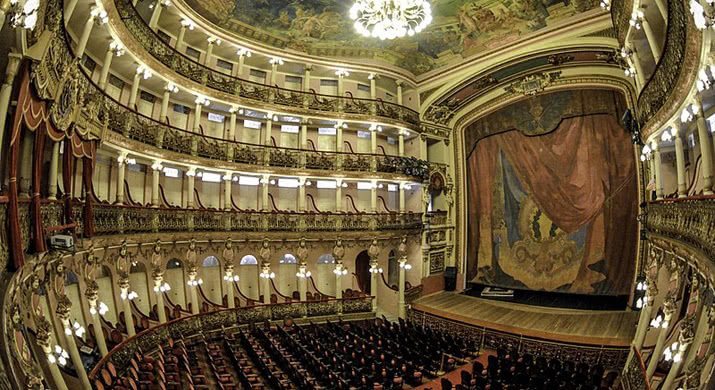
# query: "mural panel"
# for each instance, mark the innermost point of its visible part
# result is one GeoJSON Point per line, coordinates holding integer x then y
{"type": "Point", "coordinates": [461, 28]}
{"type": "Point", "coordinates": [554, 210]}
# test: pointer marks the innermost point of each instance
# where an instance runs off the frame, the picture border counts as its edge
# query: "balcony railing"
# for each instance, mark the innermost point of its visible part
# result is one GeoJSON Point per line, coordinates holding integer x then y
{"type": "Point", "coordinates": [664, 80]}
{"type": "Point", "coordinates": [149, 340]}
{"type": "Point", "coordinates": [634, 375]}
{"type": "Point", "coordinates": [262, 93]}
{"type": "Point", "coordinates": [690, 220]}
{"type": "Point", "coordinates": [120, 219]}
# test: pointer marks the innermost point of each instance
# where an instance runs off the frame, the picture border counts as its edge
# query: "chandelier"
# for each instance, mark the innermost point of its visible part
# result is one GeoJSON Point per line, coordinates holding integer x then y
{"type": "Point", "coordinates": [390, 19]}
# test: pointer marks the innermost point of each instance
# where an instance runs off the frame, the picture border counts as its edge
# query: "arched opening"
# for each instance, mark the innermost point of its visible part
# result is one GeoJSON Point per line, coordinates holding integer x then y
{"type": "Point", "coordinates": [325, 278]}
{"type": "Point", "coordinates": [139, 283]}
{"type": "Point", "coordinates": [176, 278]}
{"type": "Point", "coordinates": [73, 292]}
{"type": "Point", "coordinates": [106, 293]}
{"type": "Point", "coordinates": [248, 274]}
{"type": "Point", "coordinates": [393, 269]}
{"type": "Point", "coordinates": [285, 280]}
{"type": "Point", "coordinates": [210, 272]}
{"type": "Point", "coordinates": [362, 271]}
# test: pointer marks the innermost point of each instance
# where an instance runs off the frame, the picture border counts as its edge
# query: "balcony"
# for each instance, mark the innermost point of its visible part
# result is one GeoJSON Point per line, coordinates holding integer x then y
{"type": "Point", "coordinates": [689, 220]}
{"type": "Point", "coordinates": [258, 94]}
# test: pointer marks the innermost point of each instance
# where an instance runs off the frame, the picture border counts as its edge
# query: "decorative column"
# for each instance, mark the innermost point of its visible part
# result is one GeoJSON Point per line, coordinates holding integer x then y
{"type": "Point", "coordinates": [657, 162]}
{"type": "Point", "coordinates": [159, 288]}
{"type": "Point", "coordinates": [201, 101]}
{"type": "Point", "coordinates": [69, 10]}
{"type": "Point", "coordinates": [373, 92]}
{"type": "Point", "coordinates": [185, 24]}
{"type": "Point", "coordinates": [64, 307]}
{"type": "Point", "coordinates": [373, 196]}
{"type": "Point", "coordinates": [644, 318]}
{"type": "Point", "coordinates": [402, 250]}
{"type": "Point", "coordinates": [705, 147]}
{"type": "Point", "coordinates": [679, 161]}
{"type": "Point", "coordinates": [242, 53]}
{"type": "Point", "coordinates": [229, 277]}
{"type": "Point", "coordinates": [266, 275]}
{"type": "Point", "coordinates": [303, 274]}
{"type": "Point", "coordinates": [127, 296]}
{"type": "Point", "coordinates": [652, 38]}
{"type": "Point", "coordinates": [169, 88]}
{"type": "Point", "coordinates": [685, 338]}
{"type": "Point", "coordinates": [96, 15]}
{"type": "Point", "coordinates": [44, 340]}
{"type": "Point", "coordinates": [403, 186]}
{"type": "Point", "coordinates": [263, 198]}
{"type": "Point", "coordinates": [53, 174]}
{"type": "Point", "coordinates": [374, 253]}
{"type": "Point", "coordinates": [399, 91]}
{"type": "Point", "coordinates": [338, 194]}
{"type": "Point", "coordinates": [95, 310]}
{"type": "Point", "coordinates": [269, 129]}
{"type": "Point", "coordinates": [636, 62]}
{"type": "Point", "coordinates": [401, 143]}
{"type": "Point", "coordinates": [227, 184]}
{"type": "Point", "coordinates": [142, 73]}
{"type": "Point", "coordinates": [210, 49]}
{"type": "Point", "coordinates": [13, 64]}
{"type": "Point", "coordinates": [156, 12]}
{"type": "Point", "coordinates": [155, 176]}
{"type": "Point", "coordinates": [341, 73]}
{"type": "Point", "coordinates": [194, 284]}
{"type": "Point", "coordinates": [662, 328]}
{"type": "Point", "coordinates": [301, 193]}
{"type": "Point", "coordinates": [339, 136]}
{"type": "Point", "coordinates": [115, 49]}
{"type": "Point", "coordinates": [122, 160]}
{"type": "Point", "coordinates": [231, 134]}
{"type": "Point", "coordinates": [190, 177]}
{"type": "Point", "coordinates": [340, 270]}
{"type": "Point", "coordinates": [274, 61]}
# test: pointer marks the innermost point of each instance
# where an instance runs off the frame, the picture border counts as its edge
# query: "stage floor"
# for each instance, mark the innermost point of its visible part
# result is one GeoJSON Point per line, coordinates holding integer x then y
{"type": "Point", "coordinates": [608, 328]}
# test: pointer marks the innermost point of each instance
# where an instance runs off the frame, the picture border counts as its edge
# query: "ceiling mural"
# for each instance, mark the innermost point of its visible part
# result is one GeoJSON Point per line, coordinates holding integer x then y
{"type": "Point", "coordinates": [460, 29]}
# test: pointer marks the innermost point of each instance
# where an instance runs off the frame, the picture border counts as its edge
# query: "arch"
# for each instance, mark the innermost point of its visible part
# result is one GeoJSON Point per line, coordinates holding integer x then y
{"type": "Point", "coordinates": [210, 261]}
{"type": "Point", "coordinates": [248, 260]}
{"type": "Point", "coordinates": [288, 259]}
{"type": "Point", "coordinates": [174, 275]}
{"type": "Point", "coordinates": [362, 271]}
{"type": "Point", "coordinates": [326, 259]}
{"type": "Point", "coordinates": [393, 269]}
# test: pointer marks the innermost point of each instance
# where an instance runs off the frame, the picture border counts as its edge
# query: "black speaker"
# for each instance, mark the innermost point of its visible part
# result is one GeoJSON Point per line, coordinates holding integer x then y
{"type": "Point", "coordinates": [450, 278]}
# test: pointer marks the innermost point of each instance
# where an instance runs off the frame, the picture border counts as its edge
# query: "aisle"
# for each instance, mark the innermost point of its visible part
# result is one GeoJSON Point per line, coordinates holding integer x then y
{"type": "Point", "coordinates": [454, 376]}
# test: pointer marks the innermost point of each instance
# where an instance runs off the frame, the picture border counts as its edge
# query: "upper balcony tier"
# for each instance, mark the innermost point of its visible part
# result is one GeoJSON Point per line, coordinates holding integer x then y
{"type": "Point", "coordinates": [129, 25]}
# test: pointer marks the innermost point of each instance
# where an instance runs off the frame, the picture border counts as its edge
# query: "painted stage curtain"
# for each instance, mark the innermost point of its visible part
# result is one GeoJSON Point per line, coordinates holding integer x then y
{"type": "Point", "coordinates": [554, 212]}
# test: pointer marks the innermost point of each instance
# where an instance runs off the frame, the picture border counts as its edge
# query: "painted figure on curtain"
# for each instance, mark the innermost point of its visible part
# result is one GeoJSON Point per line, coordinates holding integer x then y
{"type": "Point", "coordinates": [547, 212]}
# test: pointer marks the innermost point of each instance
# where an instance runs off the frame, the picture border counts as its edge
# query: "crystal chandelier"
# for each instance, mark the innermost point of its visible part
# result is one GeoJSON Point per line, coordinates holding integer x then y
{"type": "Point", "coordinates": [390, 19]}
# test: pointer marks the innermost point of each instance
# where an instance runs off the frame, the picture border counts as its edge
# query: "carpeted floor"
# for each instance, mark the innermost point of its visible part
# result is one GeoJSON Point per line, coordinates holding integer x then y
{"type": "Point", "coordinates": [454, 376]}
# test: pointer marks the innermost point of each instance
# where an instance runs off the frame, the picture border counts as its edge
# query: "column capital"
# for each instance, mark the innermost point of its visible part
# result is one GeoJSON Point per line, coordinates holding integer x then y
{"type": "Point", "coordinates": [212, 40]}
{"type": "Point", "coordinates": [171, 87]}
{"type": "Point", "coordinates": [399, 82]}
{"type": "Point", "coordinates": [13, 65]}
{"type": "Point", "coordinates": [373, 76]}
{"type": "Point", "coordinates": [191, 172]}
{"type": "Point", "coordinates": [64, 308]}
{"type": "Point", "coordinates": [374, 251]}
{"type": "Point", "coordinates": [156, 165]}
{"type": "Point", "coordinates": [308, 68]}
{"type": "Point", "coordinates": [228, 176]}
{"type": "Point", "coordinates": [92, 292]}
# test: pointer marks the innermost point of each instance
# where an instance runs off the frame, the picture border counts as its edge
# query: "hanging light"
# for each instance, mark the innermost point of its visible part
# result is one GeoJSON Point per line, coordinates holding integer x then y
{"type": "Point", "coordinates": [390, 19]}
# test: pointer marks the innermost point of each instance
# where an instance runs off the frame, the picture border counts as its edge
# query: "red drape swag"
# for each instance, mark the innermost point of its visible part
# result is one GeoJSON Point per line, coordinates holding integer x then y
{"type": "Point", "coordinates": [32, 114]}
{"type": "Point", "coordinates": [583, 172]}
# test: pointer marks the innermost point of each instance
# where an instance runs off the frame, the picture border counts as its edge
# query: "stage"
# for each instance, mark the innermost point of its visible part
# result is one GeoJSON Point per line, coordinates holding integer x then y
{"type": "Point", "coordinates": [597, 328]}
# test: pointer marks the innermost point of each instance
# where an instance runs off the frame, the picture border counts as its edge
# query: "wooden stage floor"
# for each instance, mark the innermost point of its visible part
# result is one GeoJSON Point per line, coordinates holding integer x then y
{"type": "Point", "coordinates": [608, 328]}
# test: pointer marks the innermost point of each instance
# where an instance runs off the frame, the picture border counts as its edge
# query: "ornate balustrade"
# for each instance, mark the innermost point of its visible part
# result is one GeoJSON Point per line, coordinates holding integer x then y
{"type": "Point", "coordinates": [119, 219]}
{"type": "Point", "coordinates": [148, 340]}
{"type": "Point", "coordinates": [621, 15]}
{"type": "Point", "coordinates": [133, 125]}
{"type": "Point", "coordinates": [251, 91]}
{"type": "Point", "coordinates": [690, 220]}
{"type": "Point", "coordinates": [662, 83]}
{"type": "Point", "coordinates": [634, 375]}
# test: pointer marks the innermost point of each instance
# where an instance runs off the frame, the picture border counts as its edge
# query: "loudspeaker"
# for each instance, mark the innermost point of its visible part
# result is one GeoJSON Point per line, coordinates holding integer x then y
{"type": "Point", "coordinates": [450, 278]}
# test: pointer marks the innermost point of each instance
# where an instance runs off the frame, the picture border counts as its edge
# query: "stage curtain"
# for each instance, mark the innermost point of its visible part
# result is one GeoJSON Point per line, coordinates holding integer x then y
{"type": "Point", "coordinates": [581, 173]}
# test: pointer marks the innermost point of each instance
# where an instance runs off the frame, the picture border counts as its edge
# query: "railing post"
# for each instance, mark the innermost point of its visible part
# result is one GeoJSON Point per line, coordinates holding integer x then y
{"type": "Point", "coordinates": [160, 137]}
{"type": "Point", "coordinates": [155, 221]}
{"type": "Point", "coordinates": [194, 145]}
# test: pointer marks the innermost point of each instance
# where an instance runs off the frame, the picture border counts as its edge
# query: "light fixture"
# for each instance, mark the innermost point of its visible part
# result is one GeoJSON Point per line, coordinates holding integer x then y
{"type": "Point", "coordinates": [637, 19]}
{"type": "Point", "coordinates": [188, 23]}
{"type": "Point", "coordinates": [231, 278]}
{"type": "Point", "coordinates": [99, 14]}
{"type": "Point", "coordinates": [58, 355]}
{"type": "Point", "coordinates": [340, 72]}
{"type": "Point", "coordinates": [375, 127]}
{"type": "Point", "coordinates": [390, 19]}
{"type": "Point", "coordinates": [276, 61]}
{"type": "Point", "coordinates": [214, 41]}
{"type": "Point", "coordinates": [171, 87]}
{"type": "Point", "coordinates": [406, 266]}
{"type": "Point", "coordinates": [162, 288]}
{"type": "Point", "coordinates": [144, 71]}
{"type": "Point", "coordinates": [375, 270]}
{"type": "Point", "coordinates": [129, 295]}
{"type": "Point", "coordinates": [702, 19]}
{"type": "Point", "coordinates": [202, 100]}
{"type": "Point", "coordinates": [267, 275]}
{"type": "Point", "coordinates": [630, 71]}
{"type": "Point", "coordinates": [25, 16]}
{"type": "Point", "coordinates": [303, 274]}
{"type": "Point", "coordinates": [117, 48]}
{"type": "Point", "coordinates": [242, 51]}
{"type": "Point", "coordinates": [666, 137]}
{"type": "Point", "coordinates": [103, 309]}
{"type": "Point", "coordinates": [340, 270]}
{"type": "Point", "coordinates": [673, 353]}
{"type": "Point", "coordinates": [688, 113]}
{"type": "Point", "coordinates": [639, 303]}
{"type": "Point", "coordinates": [606, 5]}
{"type": "Point", "coordinates": [704, 82]}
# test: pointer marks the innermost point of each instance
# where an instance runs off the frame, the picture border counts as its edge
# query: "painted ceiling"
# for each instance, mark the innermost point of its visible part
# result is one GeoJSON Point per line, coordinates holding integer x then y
{"type": "Point", "coordinates": [460, 29]}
